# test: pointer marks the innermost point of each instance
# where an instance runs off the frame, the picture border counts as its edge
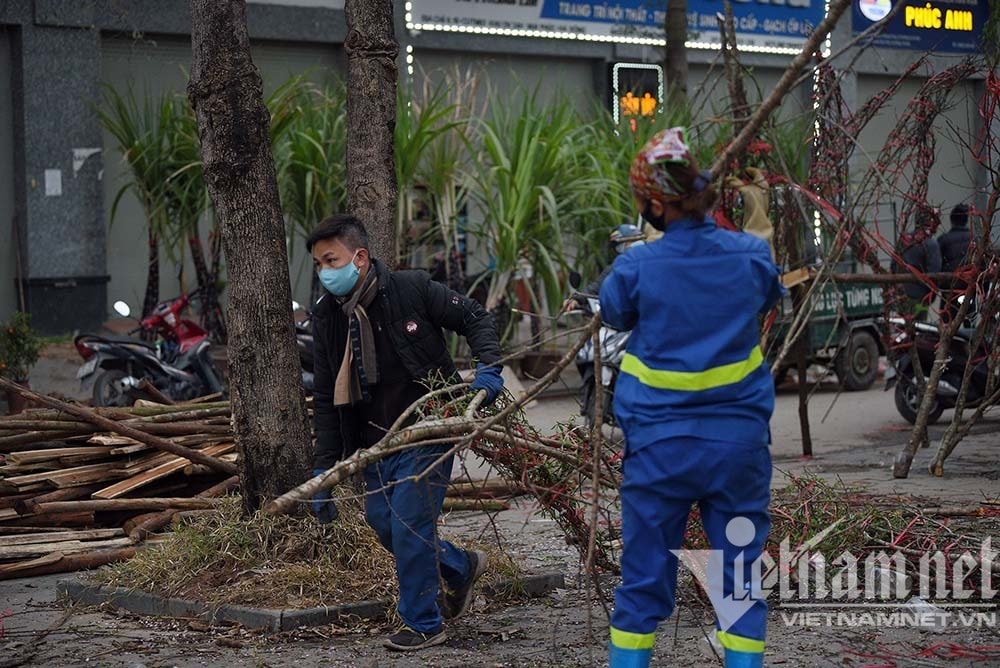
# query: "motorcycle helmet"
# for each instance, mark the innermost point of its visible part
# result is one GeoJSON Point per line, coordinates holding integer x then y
{"type": "Point", "coordinates": [624, 236]}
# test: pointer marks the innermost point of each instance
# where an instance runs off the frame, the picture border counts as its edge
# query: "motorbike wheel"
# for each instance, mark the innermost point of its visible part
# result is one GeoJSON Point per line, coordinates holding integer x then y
{"type": "Point", "coordinates": [908, 397]}
{"type": "Point", "coordinates": [857, 363]}
{"type": "Point", "coordinates": [108, 390]}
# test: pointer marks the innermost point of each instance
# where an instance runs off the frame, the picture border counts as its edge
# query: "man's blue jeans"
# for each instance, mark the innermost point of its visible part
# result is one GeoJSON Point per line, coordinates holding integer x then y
{"type": "Point", "coordinates": [404, 514]}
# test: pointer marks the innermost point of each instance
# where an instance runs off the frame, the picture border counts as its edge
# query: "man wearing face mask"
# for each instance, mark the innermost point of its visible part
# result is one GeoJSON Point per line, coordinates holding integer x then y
{"type": "Point", "coordinates": [377, 336]}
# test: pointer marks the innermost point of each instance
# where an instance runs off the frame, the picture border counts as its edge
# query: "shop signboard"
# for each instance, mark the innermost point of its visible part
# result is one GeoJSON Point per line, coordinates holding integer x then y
{"type": "Point", "coordinates": [954, 26]}
{"type": "Point", "coordinates": [759, 23]}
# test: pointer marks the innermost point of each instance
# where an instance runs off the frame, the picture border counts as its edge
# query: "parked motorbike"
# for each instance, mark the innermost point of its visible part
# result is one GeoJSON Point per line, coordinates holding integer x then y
{"type": "Point", "coordinates": [178, 364]}
{"type": "Point", "coordinates": [902, 375]}
{"type": "Point", "coordinates": [613, 344]}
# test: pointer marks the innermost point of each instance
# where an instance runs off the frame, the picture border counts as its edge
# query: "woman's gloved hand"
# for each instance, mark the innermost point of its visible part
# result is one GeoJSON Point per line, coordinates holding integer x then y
{"type": "Point", "coordinates": [488, 378]}
{"type": "Point", "coordinates": [323, 507]}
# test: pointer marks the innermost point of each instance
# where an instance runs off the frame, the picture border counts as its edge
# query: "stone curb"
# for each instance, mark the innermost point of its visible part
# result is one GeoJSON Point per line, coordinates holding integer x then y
{"type": "Point", "coordinates": [267, 619]}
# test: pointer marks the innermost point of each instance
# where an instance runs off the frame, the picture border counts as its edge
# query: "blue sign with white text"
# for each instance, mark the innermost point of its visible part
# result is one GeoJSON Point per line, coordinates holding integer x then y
{"type": "Point", "coordinates": [762, 23]}
{"type": "Point", "coordinates": [953, 26]}
{"type": "Point", "coordinates": [759, 23]}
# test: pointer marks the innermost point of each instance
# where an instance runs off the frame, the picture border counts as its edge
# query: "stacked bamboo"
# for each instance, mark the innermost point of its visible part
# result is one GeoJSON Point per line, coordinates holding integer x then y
{"type": "Point", "coordinates": [76, 492]}
{"type": "Point", "coordinates": [77, 484]}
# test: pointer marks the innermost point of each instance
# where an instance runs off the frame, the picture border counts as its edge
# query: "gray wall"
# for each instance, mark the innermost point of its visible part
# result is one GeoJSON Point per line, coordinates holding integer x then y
{"type": "Point", "coordinates": [953, 175]}
{"type": "Point", "coordinates": [159, 65]}
{"type": "Point", "coordinates": [8, 266]}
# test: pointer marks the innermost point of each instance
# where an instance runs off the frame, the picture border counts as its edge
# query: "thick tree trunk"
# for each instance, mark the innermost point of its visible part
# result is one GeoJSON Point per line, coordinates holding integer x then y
{"type": "Point", "coordinates": [675, 63]}
{"type": "Point", "coordinates": [371, 120]}
{"type": "Point", "coordinates": [269, 414]}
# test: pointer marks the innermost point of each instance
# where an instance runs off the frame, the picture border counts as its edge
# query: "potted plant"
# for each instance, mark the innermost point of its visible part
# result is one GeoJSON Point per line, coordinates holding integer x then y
{"type": "Point", "coordinates": [19, 349]}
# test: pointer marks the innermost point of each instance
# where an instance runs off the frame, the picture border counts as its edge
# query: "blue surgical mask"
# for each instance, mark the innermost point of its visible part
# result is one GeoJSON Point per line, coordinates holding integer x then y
{"type": "Point", "coordinates": [340, 281]}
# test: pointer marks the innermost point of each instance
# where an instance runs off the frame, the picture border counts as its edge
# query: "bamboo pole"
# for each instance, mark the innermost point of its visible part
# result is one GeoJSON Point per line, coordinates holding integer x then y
{"type": "Point", "coordinates": [125, 430]}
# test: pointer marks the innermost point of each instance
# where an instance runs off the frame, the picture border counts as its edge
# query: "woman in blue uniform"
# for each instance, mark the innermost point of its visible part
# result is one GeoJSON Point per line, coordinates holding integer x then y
{"type": "Point", "coordinates": [694, 400]}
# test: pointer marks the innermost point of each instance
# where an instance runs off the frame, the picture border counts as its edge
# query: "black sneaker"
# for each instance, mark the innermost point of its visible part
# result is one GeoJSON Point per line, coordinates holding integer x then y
{"type": "Point", "coordinates": [457, 602]}
{"type": "Point", "coordinates": [408, 640]}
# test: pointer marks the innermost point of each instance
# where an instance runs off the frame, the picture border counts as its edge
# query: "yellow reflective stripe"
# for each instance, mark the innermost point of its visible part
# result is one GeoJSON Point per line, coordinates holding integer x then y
{"type": "Point", "coordinates": [739, 643]}
{"type": "Point", "coordinates": [626, 640]}
{"type": "Point", "coordinates": [692, 381]}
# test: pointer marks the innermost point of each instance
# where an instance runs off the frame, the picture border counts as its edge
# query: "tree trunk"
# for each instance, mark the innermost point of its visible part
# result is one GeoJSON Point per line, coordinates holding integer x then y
{"type": "Point", "coordinates": [210, 311]}
{"type": "Point", "coordinates": [371, 120]}
{"type": "Point", "coordinates": [152, 280]}
{"type": "Point", "coordinates": [675, 63]}
{"type": "Point", "coordinates": [269, 413]}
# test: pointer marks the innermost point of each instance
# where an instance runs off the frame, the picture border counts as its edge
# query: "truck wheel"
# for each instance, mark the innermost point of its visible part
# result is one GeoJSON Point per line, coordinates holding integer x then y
{"type": "Point", "coordinates": [857, 362]}
{"type": "Point", "coordinates": [908, 399]}
{"type": "Point", "coordinates": [108, 390]}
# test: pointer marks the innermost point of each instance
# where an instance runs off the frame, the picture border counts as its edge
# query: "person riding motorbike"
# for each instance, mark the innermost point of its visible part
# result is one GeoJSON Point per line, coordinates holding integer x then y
{"type": "Point", "coordinates": [622, 238]}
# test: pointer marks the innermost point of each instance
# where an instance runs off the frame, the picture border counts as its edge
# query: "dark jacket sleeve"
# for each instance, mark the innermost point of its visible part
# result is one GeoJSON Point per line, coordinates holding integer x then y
{"type": "Point", "coordinates": [456, 312]}
{"type": "Point", "coordinates": [330, 445]}
{"type": "Point", "coordinates": [594, 287]}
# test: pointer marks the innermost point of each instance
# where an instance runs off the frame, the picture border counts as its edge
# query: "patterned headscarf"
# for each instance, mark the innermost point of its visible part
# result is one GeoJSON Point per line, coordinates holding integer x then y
{"type": "Point", "coordinates": [649, 176]}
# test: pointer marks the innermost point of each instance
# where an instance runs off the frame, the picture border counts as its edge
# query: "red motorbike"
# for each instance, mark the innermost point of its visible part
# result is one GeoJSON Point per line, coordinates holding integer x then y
{"type": "Point", "coordinates": [177, 364]}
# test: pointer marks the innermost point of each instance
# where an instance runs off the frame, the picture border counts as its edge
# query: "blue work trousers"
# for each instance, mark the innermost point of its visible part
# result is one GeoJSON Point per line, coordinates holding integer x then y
{"type": "Point", "coordinates": [730, 482]}
{"type": "Point", "coordinates": [404, 514]}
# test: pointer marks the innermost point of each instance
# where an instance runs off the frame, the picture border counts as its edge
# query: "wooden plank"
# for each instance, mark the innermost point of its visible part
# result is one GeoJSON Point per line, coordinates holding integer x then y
{"type": "Point", "coordinates": [101, 505]}
{"type": "Point", "coordinates": [17, 531]}
{"type": "Point", "coordinates": [110, 425]}
{"type": "Point", "coordinates": [7, 488]}
{"type": "Point", "coordinates": [32, 456]}
{"type": "Point", "coordinates": [48, 559]}
{"type": "Point", "coordinates": [54, 520]}
{"type": "Point", "coordinates": [79, 460]}
{"type": "Point", "coordinates": [161, 471]}
{"type": "Point", "coordinates": [795, 277]}
{"type": "Point", "coordinates": [78, 479]}
{"type": "Point", "coordinates": [54, 537]}
{"type": "Point", "coordinates": [130, 449]}
{"type": "Point", "coordinates": [65, 547]}
{"type": "Point", "coordinates": [147, 462]}
{"type": "Point", "coordinates": [105, 439]}
{"type": "Point", "coordinates": [65, 473]}
{"type": "Point", "coordinates": [12, 470]}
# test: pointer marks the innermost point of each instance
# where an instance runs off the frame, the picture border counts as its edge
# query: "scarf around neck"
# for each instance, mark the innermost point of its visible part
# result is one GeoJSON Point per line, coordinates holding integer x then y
{"type": "Point", "coordinates": [359, 367]}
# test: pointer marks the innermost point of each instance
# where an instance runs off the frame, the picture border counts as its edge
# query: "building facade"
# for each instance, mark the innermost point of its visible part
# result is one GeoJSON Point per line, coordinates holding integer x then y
{"type": "Point", "coordinates": [64, 261]}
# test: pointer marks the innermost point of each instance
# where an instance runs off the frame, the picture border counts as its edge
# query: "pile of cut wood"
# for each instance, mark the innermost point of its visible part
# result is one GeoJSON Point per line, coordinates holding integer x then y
{"type": "Point", "coordinates": [81, 487]}
{"type": "Point", "coordinates": [76, 492]}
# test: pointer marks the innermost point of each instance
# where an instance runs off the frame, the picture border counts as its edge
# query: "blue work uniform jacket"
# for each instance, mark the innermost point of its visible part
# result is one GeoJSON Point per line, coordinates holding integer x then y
{"type": "Point", "coordinates": [693, 365]}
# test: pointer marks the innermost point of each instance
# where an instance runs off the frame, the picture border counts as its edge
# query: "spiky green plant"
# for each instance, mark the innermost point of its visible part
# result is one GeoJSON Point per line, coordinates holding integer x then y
{"type": "Point", "coordinates": [310, 154]}
{"type": "Point", "coordinates": [444, 167]}
{"type": "Point", "coordinates": [420, 121]}
{"type": "Point", "coordinates": [532, 174]}
{"type": "Point", "coordinates": [158, 139]}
